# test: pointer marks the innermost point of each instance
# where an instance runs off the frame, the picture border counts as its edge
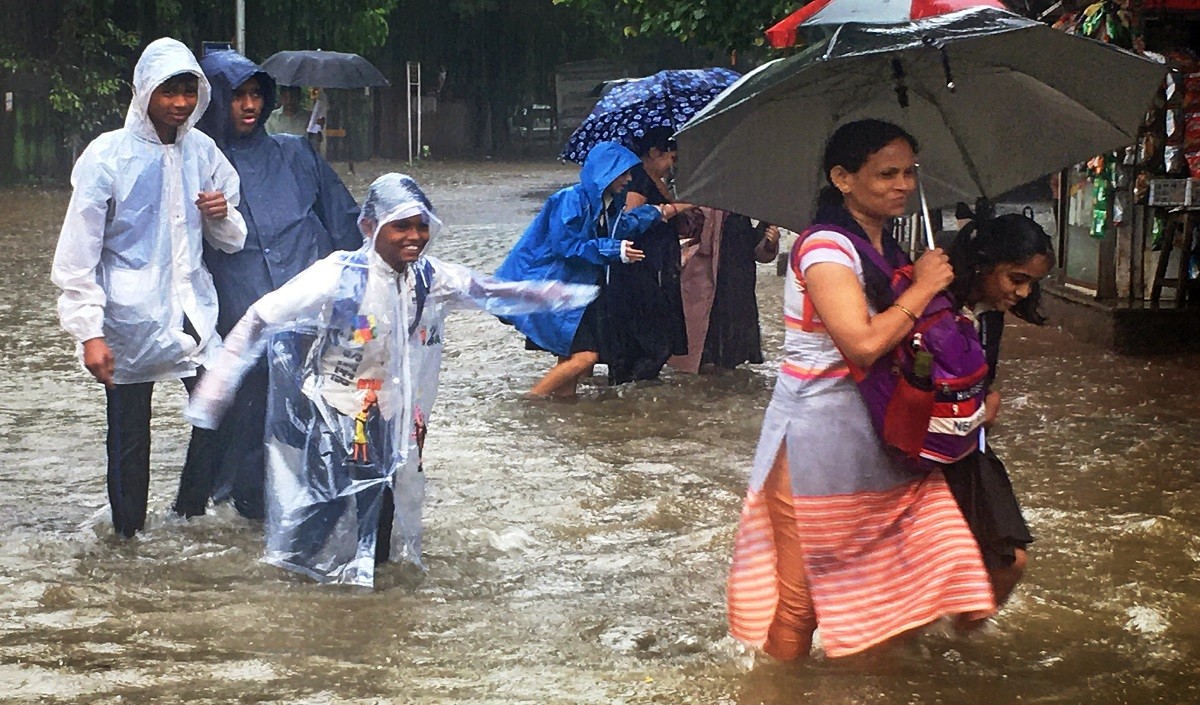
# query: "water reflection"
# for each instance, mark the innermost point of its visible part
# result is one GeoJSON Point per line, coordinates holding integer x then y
{"type": "Point", "coordinates": [576, 552]}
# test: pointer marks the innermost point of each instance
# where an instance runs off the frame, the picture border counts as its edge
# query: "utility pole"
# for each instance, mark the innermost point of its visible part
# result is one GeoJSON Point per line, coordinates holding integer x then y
{"type": "Point", "coordinates": [240, 40]}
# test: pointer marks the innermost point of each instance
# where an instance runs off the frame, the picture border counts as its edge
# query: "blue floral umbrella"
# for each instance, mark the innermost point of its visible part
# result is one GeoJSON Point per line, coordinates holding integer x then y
{"type": "Point", "coordinates": [666, 99]}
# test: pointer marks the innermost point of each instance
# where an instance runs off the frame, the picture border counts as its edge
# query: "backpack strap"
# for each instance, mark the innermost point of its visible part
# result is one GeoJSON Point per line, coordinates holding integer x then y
{"type": "Point", "coordinates": [423, 275]}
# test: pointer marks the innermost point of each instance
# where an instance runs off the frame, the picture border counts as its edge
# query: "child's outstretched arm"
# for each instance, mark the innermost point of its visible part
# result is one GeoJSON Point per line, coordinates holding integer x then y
{"type": "Point", "coordinates": [297, 301]}
{"type": "Point", "coordinates": [461, 287]}
{"type": "Point", "coordinates": [634, 223]}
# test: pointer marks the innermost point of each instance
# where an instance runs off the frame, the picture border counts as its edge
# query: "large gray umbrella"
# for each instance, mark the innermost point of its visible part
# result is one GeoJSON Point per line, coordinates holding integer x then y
{"type": "Point", "coordinates": [322, 69]}
{"type": "Point", "coordinates": [1027, 100]}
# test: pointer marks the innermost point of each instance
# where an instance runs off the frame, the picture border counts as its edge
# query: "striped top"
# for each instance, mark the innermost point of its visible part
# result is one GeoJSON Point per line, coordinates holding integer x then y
{"type": "Point", "coordinates": [811, 361]}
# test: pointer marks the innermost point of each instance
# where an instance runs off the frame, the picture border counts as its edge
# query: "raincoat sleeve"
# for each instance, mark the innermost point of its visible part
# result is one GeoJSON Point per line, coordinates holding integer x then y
{"type": "Point", "coordinates": [459, 287]}
{"type": "Point", "coordinates": [299, 300]}
{"type": "Point", "coordinates": [336, 207]}
{"type": "Point", "coordinates": [571, 237]}
{"type": "Point", "coordinates": [634, 223]}
{"type": "Point", "coordinates": [81, 304]}
{"type": "Point", "coordinates": [227, 234]}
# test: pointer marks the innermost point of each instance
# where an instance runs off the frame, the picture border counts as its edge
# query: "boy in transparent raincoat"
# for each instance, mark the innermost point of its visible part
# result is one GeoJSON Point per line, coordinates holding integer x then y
{"type": "Point", "coordinates": [354, 345]}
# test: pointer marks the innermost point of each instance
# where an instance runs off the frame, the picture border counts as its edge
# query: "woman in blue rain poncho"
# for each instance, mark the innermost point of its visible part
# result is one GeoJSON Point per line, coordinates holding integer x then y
{"type": "Point", "coordinates": [297, 211]}
{"type": "Point", "coordinates": [579, 232]}
{"type": "Point", "coordinates": [354, 345]}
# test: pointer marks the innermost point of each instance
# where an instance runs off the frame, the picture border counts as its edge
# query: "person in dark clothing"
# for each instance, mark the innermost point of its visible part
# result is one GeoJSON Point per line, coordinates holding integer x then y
{"type": "Point", "coordinates": [642, 304]}
{"type": "Point", "coordinates": [297, 211]}
{"type": "Point", "coordinates": [733, 334]}
{"type": "Point", "coordinates": [998, 263]}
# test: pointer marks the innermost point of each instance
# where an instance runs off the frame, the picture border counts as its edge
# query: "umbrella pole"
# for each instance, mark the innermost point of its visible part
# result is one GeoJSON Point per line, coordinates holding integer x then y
{"type": "Point", "coordinates": [925, 211]}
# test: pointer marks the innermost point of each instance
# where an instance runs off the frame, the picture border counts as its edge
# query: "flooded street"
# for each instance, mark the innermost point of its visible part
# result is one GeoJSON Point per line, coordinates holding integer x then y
{"type": "Point", "coordinates": [576, 552]}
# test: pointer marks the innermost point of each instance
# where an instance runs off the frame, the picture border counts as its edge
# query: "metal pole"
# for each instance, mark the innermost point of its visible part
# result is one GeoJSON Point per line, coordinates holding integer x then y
{"type": "Point", "coordinates": [408, 106]}
{"type": "Point", "coordinates": [925, 211]}
{"type": "Point", "coordinates": [420, 143]}
{"type": "Point", "coordinates": [240, 40]}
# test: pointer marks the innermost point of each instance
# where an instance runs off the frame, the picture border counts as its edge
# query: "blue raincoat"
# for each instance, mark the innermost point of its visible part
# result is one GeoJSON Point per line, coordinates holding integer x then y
{"type": "Point", "coordinates": [355, 350]}
{"type": "Point", "coordinates": [296, 208]}
{"type": "Point", "coordinates": [565, 242]}
{"type": "Point", "coordinates": [297, 211]}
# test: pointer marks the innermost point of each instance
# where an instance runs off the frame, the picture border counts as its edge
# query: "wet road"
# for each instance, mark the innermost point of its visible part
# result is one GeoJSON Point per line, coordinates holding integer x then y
{"type": "Point", "coordinates": [576, 552]}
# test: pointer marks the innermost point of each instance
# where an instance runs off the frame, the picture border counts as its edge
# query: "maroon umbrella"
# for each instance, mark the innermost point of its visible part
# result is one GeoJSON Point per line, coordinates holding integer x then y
{"type": "Point", "coordinates": [826, 12]}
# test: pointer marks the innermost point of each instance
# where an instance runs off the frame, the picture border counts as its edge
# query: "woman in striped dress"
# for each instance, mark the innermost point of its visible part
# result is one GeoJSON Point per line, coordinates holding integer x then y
{"type": "Point", "coordinates": [832, 531]}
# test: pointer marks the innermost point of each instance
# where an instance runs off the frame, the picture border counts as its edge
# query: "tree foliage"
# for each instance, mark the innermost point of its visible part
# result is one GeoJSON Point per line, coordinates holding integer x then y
{"type": "Point", "coordinates": [75, 54]}
{"type": "Point", "coordinates": [81, 52]}
{"type": "Point", "coordinates": [727, 25]}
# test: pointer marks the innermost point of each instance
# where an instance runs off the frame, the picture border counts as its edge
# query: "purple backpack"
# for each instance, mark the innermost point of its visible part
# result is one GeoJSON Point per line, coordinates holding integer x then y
{"type": "Point", "coordinates": [926, 396]}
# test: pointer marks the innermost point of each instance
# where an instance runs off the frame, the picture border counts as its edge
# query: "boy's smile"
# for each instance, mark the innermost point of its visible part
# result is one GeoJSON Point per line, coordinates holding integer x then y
{"type": "Point", "coordinates": [171, 104]}
{"type": "Point", "coordinates": [401, 242]}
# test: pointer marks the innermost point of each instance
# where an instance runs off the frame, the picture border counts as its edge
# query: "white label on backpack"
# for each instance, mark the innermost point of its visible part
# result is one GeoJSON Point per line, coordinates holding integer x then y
{"type": "Point", "coordinates": [957, 427]}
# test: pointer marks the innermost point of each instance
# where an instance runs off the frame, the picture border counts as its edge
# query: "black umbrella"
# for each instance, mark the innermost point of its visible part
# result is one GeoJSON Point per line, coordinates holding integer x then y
{"type": "Point", "coordinates": [323, 69]}
{"type": "Point", "coordinates": [995, 101]}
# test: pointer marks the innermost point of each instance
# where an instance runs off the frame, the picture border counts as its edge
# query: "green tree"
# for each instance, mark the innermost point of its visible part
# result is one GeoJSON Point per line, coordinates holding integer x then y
{"type": "Point", "coordinates": [75, 54]}
{"type": "Point", "coordinates": [727, 25]}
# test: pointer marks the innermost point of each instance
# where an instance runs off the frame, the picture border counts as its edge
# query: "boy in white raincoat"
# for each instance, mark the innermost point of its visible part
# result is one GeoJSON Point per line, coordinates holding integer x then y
{"type": "Point", "coordinates": [135, 293]}
{"type": "Point", "coordinates": [354, 345]}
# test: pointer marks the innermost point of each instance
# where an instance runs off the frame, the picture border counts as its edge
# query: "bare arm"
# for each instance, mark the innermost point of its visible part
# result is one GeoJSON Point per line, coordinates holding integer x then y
{"type": "Point", "coordinates": [841, 304]}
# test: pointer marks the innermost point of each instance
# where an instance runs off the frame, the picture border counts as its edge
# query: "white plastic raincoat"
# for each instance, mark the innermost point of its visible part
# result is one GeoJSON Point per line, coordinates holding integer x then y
{"type": "Point", "coordinates": [129, 255]}
{"type": "Point", "coordinates": [355, 350]}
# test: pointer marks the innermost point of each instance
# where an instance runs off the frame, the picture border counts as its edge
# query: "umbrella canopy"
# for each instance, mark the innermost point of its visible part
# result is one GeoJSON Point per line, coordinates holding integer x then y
{"type": "Point", "coordinates": [666, 99]}
{"type": "Point", "coordinates": [835, 12]}
{"type": "Point", "coordinates": [1026, 101]}
{"type": "Point", "coordinates": [323, 69]}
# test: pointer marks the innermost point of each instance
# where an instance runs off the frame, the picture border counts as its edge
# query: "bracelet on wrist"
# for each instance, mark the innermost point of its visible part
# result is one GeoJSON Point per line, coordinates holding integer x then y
{"type": "Point", "coordinates": [908, 313]}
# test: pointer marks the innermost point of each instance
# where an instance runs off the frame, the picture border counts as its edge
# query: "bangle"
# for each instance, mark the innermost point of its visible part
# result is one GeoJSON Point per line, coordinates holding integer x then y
{"type": "Point", "coordinates": [908, 313]}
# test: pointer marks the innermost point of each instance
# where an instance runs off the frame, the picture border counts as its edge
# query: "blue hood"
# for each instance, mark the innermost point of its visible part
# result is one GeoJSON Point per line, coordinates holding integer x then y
{"type": "Point", "coordinates": [226, 70]}
{"type": "Point", "coordinates": [605, 162]}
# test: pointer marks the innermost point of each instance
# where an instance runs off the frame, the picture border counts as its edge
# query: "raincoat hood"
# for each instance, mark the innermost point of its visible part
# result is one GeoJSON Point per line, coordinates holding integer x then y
{"type": "Point", "coordinates": [605, 162]}
{"type": "Point", "coordinates": [226, 70]}
{"type": "Point", "coordinates": [395, 197]}
{"type": "Point", "coordinates": [162, 59]}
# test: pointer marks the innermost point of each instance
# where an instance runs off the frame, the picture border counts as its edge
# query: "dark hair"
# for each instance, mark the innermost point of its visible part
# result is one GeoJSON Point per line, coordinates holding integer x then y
{"type": "Point", "coordinates": [989, 241]}
{"type": "Point", "coordinates": [185, 81]}
{"type": "Point", "coordinates": [851, 145]}
{"type": "Point", "coordinates": [660, 138]}
{"type": "Point", "coordinates": [290, 90]}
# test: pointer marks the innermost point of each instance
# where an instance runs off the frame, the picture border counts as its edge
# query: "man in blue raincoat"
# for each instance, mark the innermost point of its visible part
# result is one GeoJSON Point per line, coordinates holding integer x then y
{"type": "Point", "coordinates": [579, 232]}
{"type": "Point", "coordinates": [297, 211]}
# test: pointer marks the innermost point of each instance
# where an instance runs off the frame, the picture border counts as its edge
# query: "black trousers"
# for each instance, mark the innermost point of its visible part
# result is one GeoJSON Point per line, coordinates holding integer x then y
{"type": "Point", "coordinates": [239, 468]}
{"type": "Point", "coordinates": [128, 444]}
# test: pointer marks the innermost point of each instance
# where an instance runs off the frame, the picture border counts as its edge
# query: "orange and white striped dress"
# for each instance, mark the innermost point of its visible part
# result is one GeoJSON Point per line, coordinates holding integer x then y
{"type": "Point", "coordinates": [884, 550]}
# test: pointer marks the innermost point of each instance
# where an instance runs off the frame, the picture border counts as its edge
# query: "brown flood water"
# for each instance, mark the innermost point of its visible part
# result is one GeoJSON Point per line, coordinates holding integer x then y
{"type": "Point", "coordinates": [576, 552]}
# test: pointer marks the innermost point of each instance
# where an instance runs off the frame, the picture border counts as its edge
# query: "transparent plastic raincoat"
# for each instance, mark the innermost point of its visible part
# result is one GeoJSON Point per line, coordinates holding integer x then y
{"type": "Point", "coordinates": [355, 350]}
{"type": "Point", "coordinates": [128, 260]}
